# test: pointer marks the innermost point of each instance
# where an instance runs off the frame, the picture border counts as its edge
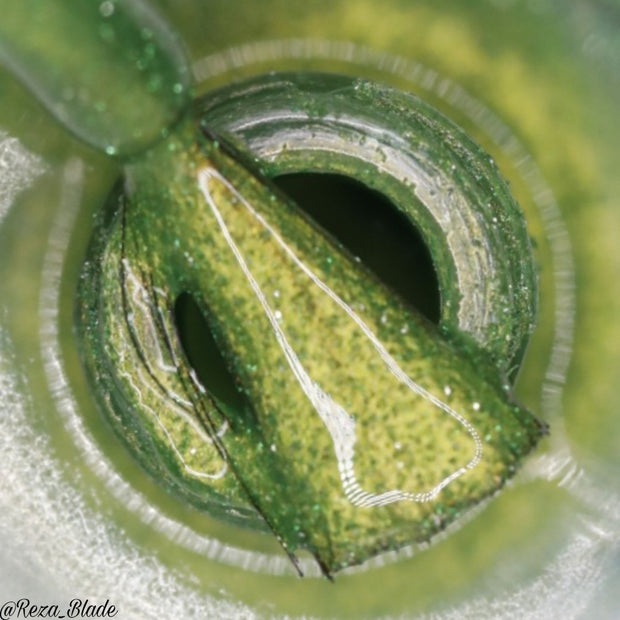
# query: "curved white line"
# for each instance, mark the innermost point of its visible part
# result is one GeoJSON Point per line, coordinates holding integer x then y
{"type": "Point", "coordinates": [339, 423]}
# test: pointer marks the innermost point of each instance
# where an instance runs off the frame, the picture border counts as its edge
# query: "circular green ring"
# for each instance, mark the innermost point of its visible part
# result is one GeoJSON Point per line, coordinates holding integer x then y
{"type": "Point", "coordinates": [444, 184]}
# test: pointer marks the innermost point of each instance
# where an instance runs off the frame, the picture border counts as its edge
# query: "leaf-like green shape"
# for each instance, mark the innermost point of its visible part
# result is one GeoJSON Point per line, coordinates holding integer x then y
{"type": "Point", "coordinates": [363, 428]}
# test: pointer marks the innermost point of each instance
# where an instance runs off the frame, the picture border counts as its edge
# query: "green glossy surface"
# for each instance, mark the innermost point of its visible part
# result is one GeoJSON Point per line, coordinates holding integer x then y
{"type": "Point", "coordinates": [413, 423]}
{"type": "Point", "coordinates": [444, 184]}
{"type": "Point", "coordinates": [361, 428]}
{"type": "Point", "coordinates": [85, 60]}
{"type": "Point", "coordinates": [547, 72]}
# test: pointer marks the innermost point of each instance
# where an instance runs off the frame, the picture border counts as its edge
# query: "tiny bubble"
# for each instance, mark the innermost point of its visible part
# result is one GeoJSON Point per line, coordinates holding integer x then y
{"type": "Point", "coordinates": [154, 84]}
{"type": "Point", "coordinates": [447, 390]}
{"type": "Point", "coordinates": [106, 8]}
{"type": "Point", "coordinates": [68, 93]}
{"type": "Point", "coordinates": [476, 406]}
{"type": "Point", "coordinates": [149, 52]}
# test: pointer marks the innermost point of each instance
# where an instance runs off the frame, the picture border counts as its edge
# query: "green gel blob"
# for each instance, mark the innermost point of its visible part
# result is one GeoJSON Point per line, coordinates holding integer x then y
{"type": "Point", "coordinates": [111, 72]}
{"type": "Point", "coordinates": [359, 427]}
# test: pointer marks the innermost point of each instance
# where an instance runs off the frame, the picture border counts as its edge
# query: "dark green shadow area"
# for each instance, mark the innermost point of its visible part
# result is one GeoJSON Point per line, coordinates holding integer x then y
{"type": "Point", "coordinates": [371, 228]}
{"type": "Point", "coordinates": [204, 355]}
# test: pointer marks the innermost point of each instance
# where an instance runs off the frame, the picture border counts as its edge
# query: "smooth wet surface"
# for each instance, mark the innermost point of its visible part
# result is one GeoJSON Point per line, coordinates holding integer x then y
{"type": "Point", "coordinates": [544, 545]}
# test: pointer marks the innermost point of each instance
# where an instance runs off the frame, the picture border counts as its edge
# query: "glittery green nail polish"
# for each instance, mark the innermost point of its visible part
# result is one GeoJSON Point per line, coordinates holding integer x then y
{"type": "Point", "coordinates": [359, 426]}
{"type": "Point", "coordinates": [352, 426]}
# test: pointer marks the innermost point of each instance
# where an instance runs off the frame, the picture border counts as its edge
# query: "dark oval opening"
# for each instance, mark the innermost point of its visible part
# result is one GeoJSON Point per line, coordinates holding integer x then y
{"type": "Point", "coordinates": [370, 227]}
{"type": "Point", "coordinates": [200, 346]}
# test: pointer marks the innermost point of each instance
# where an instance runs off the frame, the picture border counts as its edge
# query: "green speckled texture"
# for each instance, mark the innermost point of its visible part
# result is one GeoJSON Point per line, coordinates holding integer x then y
{"type": "Point", "coordinates": [442, 182]}
{"type": "Point", "coordinates": [364, 427]}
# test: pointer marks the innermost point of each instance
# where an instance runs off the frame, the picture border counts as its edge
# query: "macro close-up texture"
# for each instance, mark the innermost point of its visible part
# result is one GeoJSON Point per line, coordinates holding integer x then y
{"type": "Point", "coordinates": [309, 310]}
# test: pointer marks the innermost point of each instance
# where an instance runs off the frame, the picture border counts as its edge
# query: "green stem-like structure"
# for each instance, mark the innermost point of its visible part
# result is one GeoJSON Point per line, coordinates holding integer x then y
{"type": "Point", "coordinates": [356, 426]}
